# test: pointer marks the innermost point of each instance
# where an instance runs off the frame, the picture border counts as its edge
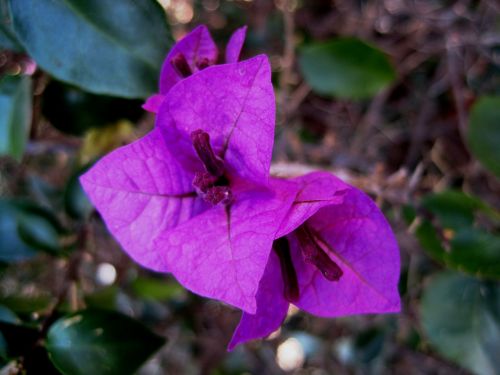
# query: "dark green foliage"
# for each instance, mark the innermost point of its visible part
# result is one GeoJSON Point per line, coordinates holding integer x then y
{"type": "Point", "coordinates": [346, 68]}
{"type": "Point", "coordinates": [483, 134]}
{"type": "Point", "coordinates": [450, 233]}
{"type": "Point", "coordinates": [15, 114]}
{"type": "Point", "coordinates": [25, 227]}
{"type": "Point", "coordinates": [100, 342]}
{"type": "Point", "coordinates": [103, 46]}
{"type": "Point", "coordinates": [460, 317]}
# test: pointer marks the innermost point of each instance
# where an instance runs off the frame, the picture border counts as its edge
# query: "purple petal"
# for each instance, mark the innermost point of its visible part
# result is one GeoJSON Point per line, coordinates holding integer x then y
{"type": "Point", "coordinates": [271, 307]}
{"type": "Point", "coordinates": [140, 192]}
{"type": "Point", "coordinates": [233, 48]}
{"type": "Point", "coordinates": [153, 103]}
{"type": "Point", "coordinates": [196, 46]}
{"type": "Point", "coordinates": [234, 104]}
{"type": "Point", "coordinates": [223, 252]}
{"type": "Point", "coordinates": [359, 240]}
{"type": "Point", "coordinates": [316, 190]}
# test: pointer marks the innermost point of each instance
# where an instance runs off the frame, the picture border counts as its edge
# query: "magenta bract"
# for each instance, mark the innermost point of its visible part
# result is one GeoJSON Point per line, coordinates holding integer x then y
{"type": "Point", "coordinates": [194, 198]}
{"type": "Point", "coordinates": [359, 269]}
{"type": "Point", "coordinates": [193, 53]}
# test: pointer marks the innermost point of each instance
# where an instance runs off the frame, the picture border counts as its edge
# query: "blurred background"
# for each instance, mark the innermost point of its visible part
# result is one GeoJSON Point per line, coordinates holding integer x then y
{"type": "Point", "coordinates": [398, 97]}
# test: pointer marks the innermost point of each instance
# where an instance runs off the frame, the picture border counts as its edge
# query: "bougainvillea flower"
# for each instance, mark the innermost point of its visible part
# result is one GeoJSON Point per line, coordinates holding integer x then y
{"type": "Point", "coordinates": [193, 53]}
{"type": "Point", "coordinates": [335, 255]}
{"type": "Point", "coordinates": [193, 197]}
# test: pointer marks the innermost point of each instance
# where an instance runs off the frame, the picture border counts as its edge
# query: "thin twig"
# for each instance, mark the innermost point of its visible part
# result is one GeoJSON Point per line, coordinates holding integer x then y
{"type": "Point", "coordinates": [452, 59]}
{"type": "Point", "coordinates": [369, 121]}
{"type": "Point", "coordinates": [288, 57]}
{"type": "Point", "coordinates": [297, 97]}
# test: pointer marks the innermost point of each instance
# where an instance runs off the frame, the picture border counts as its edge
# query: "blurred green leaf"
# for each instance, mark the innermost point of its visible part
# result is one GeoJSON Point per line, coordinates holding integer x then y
{"type": "Point", "coordinates": [409, 213]}
{"type": "Point", "coordinates": [469, 250]}
{"type": "Point", "coordinates": [430, 241]}
{"type": "Point", "coordinates": [38, 227]}
{"type": "Point", "coordinates": [100, 342]}
{"type": "Point", "coordinates": [76, 203]}
{"type": "Point", "coordinates": [369, 344]}
{"type": "Point", "coordinates": [12, 247]}
{"type": "Point", "coordinates": [25, 228]}
{"type": "Point", "coordinates": [103, 46]}
{"type": "Point", "coordinates": [8, 316]}
{"type": "Point", "coordinates": [453, 208]}
{"type": "Point", "coordinates": [8, 39]}
{"type": "Point", "coordinates": [74, 111]}
{"type": "Point", "coordinates": [476, 252]}
{"type": "Point", "coordinates": [38, 232]}
{"type": "Point", "coordinates": [15, 114]}
{"type": "Point", "coordinates": [25, 305]}
{"type": "Point", "coordinates": [460, 317]}
{"type": "Point", "coordinates": [104, 299]}
{"type": "Point", "coordinates": [156, 289]}
{"type": "Point", "coordinates": [483, 134]}
{"type": "Point", "coordinates": [449, 233]}
{"type": "Point", "coordinates": [346, 68]}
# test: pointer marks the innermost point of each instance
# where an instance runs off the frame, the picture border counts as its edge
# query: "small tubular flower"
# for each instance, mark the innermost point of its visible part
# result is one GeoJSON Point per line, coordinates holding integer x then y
{"type": "Point", "coordinates": [335, 255]}
{"type": "Point", "coordinates": [193, 53]}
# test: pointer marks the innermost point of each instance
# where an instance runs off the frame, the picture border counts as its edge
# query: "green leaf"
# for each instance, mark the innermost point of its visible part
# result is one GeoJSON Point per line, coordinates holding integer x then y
{"type": "Point", "coordinates": [453, 208]}
{"type": "Point", "coordinates": [38, 227]}
{"type": "Point", "coordinates": [449, 233]}
{"type": "Point", "coordinates": [100, 342]}
{"type": "Point", "coordinates": [468, 250]}
{"type": "Point", "coordinates": [346, 68]}
{"type": "Point", "coordinates": [157, 289]}
{"type": "Point", "coordinates": [476, 252]}
{"type": "Point", "coordinates": [23, 339]}
{"type": "Point", "coordinates": [8, 39]}
{"type": "Point", "coordinates": [25, 228]}
{"type": "Point", "coordinates": [103, 46]}
{"type": "Point", "coordinates": [12, 247]}
{"type": "Point", "coordinates": [104, 299]}
{"type": "Point", "coordinates": [6, 315]}
{"type": "Point", "coordinates": [369, 345]}
{"type": "Point", "coordinates": [76, 203]}
{"type": "Point", "coordinates": [25, 305]}
{"type": "Point", "coordinates": [483, 134]}
{"type": "Point", "coordinates": [460, 317]}
{"type": "Point", "coordinates": [430, 241]}
{"type": "Point", "coordinates": [15, 114]}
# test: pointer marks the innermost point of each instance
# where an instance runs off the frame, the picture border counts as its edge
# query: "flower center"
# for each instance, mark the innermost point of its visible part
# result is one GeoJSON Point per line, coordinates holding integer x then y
{"type": "Point", "coordinates": [212, 185]}
{"type": "Point", "coordinates": [181, 65]}
{"type": "Point", "coordinates": [291, 286]}
{"type": "Point", "coordinates": [313, 253]}
{"type": "Point", "coordinates": [182, 68]}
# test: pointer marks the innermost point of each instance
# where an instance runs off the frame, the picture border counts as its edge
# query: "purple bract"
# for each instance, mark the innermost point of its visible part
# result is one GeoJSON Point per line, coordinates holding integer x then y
{"type": "Point", "coordinates": [335, 255]}
{"type": "Point", "coordinates": [195, 52]}
{"type": "Point", "coordinates": [194, 198]}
